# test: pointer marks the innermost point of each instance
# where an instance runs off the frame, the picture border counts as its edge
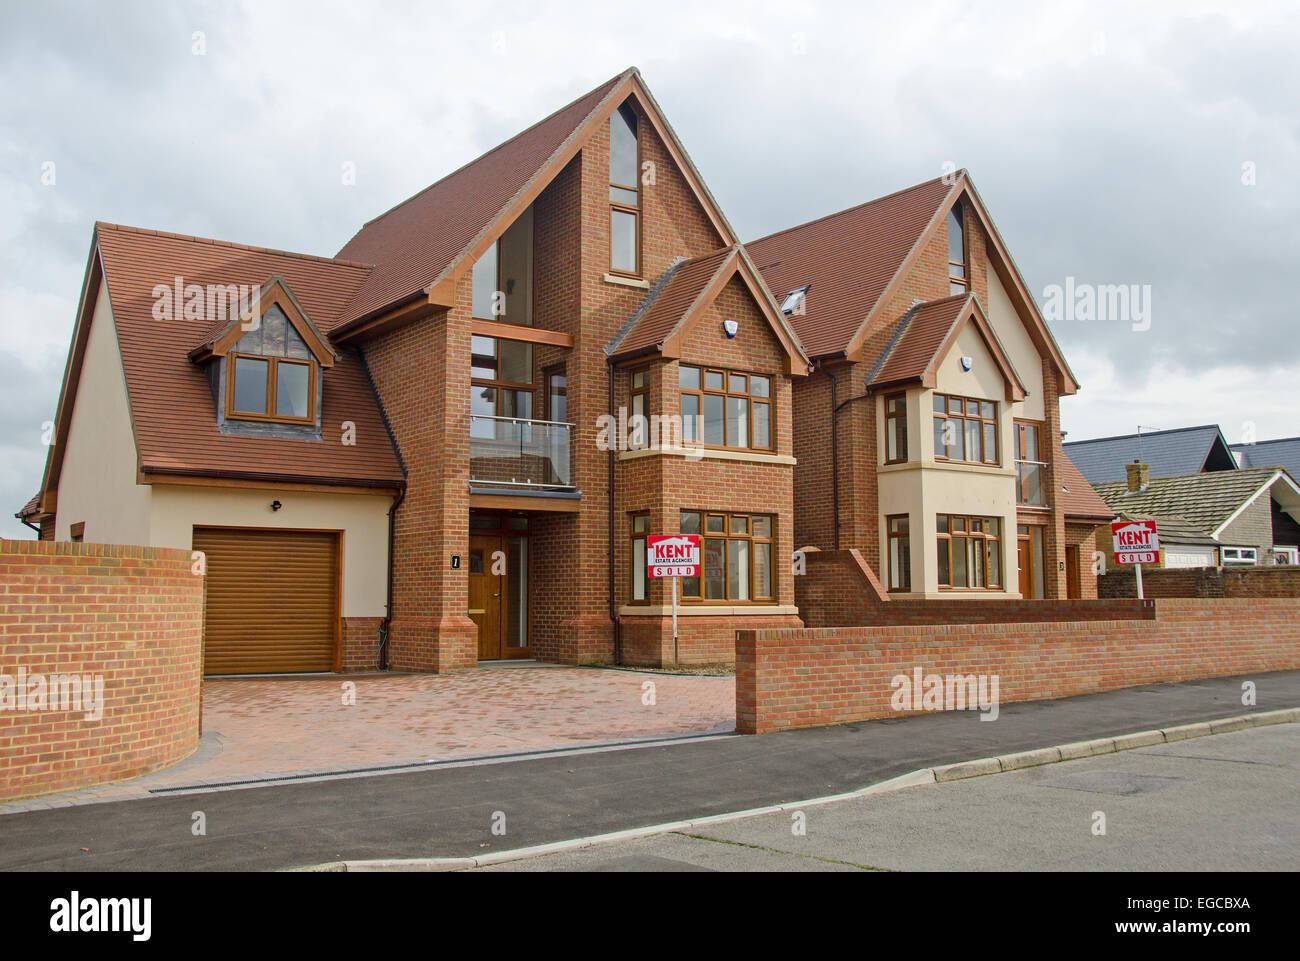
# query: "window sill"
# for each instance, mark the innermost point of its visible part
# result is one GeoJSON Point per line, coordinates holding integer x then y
{"type": "Point", "coordinates": [959, 467]}
{"type": "Point", "coordinates": [627, 281]}
{"type": "Point", "coordinates": [707, 610]}
{"type": "Point", "coordinates": [710, 453]}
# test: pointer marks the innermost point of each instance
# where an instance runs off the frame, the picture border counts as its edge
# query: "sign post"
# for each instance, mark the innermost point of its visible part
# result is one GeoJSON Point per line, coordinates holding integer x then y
{"type": "Point", "coordinates": [1137, 543]}
{"type": "Point", "coordinates": [673, 556]}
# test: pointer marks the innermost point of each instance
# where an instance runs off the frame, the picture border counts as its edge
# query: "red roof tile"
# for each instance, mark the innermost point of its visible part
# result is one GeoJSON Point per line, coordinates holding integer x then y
{"type": "Point", "coordinates": [417, 240]}
{"type": "Point", "coordinates": [666, 306]}
{"type": "Point", "coordinates": [171, 404]}
{"type": "Point", "coordinates": [924, 331]}
{"type": "Point", "coordinates": [848, 258]}
{"type": "Point", "coordinates": [1078, 499]}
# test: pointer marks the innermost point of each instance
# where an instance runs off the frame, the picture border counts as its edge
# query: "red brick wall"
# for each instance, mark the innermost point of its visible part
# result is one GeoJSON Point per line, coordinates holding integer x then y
{"type": "Point", "coordinates": [131, 615]}
{"type": "Point", "coordinates": [360, 643]}
{"type": "Point", "coordinates": [1204, 582]}
{"type": "Point", "coordinates": [839, 589]}
{"type": "Point", "coordinates": [807, 678]}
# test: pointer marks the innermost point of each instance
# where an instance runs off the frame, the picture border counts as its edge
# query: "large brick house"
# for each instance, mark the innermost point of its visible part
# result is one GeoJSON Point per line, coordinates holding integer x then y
{"type": "Point", "coordinates": [449, 442]}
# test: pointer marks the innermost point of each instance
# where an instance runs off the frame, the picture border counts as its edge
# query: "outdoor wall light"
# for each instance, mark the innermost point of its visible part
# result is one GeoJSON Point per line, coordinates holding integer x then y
{"type": "Point", "coordinates": [276, 505]}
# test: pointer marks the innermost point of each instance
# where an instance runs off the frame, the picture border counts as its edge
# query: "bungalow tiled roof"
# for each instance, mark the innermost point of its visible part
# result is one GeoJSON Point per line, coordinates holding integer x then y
{"type": "Point", "coordinates": [847, 260]}
{"type": "Point", "coordinates": [1204, 502]}
{"type": "Point", "coordinates": [171, 403]}
{"type": "Point", "coordinates": [1167, 453]}
{"type": "Point", "coordinates": [1285, 452]}
{"type": "Point", "coordinates": [414, 243]}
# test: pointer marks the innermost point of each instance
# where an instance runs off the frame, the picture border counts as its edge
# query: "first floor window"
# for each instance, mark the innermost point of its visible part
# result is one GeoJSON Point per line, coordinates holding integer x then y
{"type": "Point", "coordinates": [900, 553]}
{"type": "Point", "coordinates": [722, 408]}
{"type": "Point", "coordinates": [969, 552]}
{"type": "Point", "coordinates": [965, 429]}
{"type": "Point", "coordinates": [737, 557]}
{"type": "Point", "coordinates": [895, 428]}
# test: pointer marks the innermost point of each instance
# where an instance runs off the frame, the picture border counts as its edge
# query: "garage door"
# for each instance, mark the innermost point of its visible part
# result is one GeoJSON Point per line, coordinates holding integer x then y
{"type": "Point", "coordinates": [272, 601]}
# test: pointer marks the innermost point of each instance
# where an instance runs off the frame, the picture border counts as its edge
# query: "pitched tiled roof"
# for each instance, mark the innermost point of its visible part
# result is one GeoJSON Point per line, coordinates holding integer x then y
{"type": "Point", "coordinates": [1202, 501]}
{"type": "Point", "coordinates": [921, 333]}
{"type": "Point", "coordinates": [669, 300]}
{"type": "Point", "coordinates": [33, 506]}
{"type": "Point", "coordinates": [848, 259]}
{"type": "Point", "coordinates": [1284, 452]}
{"type": "Point", "coordinates": [1078, 498]}
{"type": "Point", "coordinates": [171, 404]}
{"type": "Point", "coordinates": [1168, 453]}
{"type": "Point", "coordinates": [412, 244]}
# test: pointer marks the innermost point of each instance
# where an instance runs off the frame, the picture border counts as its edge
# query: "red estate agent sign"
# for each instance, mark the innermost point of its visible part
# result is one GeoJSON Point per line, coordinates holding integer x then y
{"type": "Point", "coordinates": [673, 555]}
{"type": "Point", "coordinates": [1136, 542]}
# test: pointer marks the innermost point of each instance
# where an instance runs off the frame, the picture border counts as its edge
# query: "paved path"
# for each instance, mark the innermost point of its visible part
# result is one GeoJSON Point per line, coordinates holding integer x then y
{"type": "Point", "coordinates": [257, 728]}
{"type": "Point", "coordinates": [451, 811]}
{"type": "Point", "coordinates": [1229, 802]}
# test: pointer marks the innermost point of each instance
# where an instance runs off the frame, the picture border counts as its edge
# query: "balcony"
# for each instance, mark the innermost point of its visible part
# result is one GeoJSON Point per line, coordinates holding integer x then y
{"type": "Point", "coordinates": [1031, 479]}
{"type": "Point", "coordinates": [510, 453]}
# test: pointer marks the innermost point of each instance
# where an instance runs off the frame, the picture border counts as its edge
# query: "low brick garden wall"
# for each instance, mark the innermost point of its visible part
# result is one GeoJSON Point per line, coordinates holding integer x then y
{"type": "Point", "coordinates": [813, 677]}
{"type": "Point", "coordinates": [74, 617]}
{"type": "Point", "coordinates": [1203, 582]}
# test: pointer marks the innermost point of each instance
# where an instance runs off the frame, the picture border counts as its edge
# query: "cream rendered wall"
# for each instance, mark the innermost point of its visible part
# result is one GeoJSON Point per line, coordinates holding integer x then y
{"type": "Point", "coordinates": [924, 488]}
{"type": "Point", "coordinates": [97, 482]}
{"type": "Point", "coordinates": [363, 519]}
{"type": "Point", "coordinates": [1020, 350]}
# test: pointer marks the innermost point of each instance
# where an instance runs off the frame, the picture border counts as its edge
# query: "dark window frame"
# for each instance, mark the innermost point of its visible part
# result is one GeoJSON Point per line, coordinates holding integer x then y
{"type": "Point", "coordinates": [891, 535]}
{"type": "Point", "coordinates": [890, 427]}
{"type": "Point", "coordinates": [961, 419]}
{"type": "Point", "coordinates": [768, 400]}
{"type": "Point", "coordinates": [945, 540]}
{"type": "Point", "coordinates": [615, 206]}
{"type": "Point", "coordinates": [727, 535]}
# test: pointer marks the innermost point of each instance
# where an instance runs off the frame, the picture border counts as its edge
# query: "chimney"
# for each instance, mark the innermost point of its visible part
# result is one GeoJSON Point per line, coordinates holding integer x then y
{"type": "Point", "coordinates": [1137, 476]}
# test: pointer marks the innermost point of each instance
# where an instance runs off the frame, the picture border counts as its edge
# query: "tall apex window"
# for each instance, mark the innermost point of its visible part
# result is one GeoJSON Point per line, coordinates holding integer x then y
{"type": "Point", "coordinates": [624, 192]}
{"type": "Point", "coordinates": [958, 262]}
{"type": "Point", "coordinates": [502, 279]}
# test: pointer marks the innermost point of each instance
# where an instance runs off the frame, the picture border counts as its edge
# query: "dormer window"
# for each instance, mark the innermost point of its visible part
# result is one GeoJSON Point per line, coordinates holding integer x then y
{"type": "Point", "coordinates": [272, 388]}
{"type": "Point", "coordinates": [793, 303]}
{"type": "Point", "coordinates": [266, 366]}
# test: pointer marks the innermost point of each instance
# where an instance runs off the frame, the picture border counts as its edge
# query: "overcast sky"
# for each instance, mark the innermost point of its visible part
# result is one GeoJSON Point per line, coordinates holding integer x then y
{"type": "Point", "coordinates": [1153, 144]}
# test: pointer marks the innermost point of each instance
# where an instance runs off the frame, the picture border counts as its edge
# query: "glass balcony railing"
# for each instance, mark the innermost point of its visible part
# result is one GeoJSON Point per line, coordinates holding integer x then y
{"type": "Point", "coordinates": [1031, 478]}
{"type": "Point", "coordinates": [510, 452]}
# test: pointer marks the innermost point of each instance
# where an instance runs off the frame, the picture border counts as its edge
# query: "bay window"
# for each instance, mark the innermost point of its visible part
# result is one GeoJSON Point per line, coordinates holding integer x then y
{"type": "Point", "coordinates": [737, 560]}
{"type": "Point", "coordinates": [969, 552]}
{"type": "Point", "coordinates": [722, 408]}
{"type": "Point", "coordinates": [965, 429]}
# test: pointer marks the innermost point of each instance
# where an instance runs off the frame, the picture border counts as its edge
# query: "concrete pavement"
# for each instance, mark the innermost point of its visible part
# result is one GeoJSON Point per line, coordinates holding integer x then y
{"type": "Point", "coordinates": [1228, 802]}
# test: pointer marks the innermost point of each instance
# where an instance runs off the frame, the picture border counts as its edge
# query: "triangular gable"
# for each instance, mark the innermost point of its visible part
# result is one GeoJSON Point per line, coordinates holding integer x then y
{"type": "Point", "coordinates": [275, 293]}
{"type": "Point", "coordinates": [927, 334]}
{"type": "Point", "coordinates": [435, 275]}
{"type": "Point", "coordinates": [1006, 269]}
{"type": "Point", "coordinates": [672, 309]}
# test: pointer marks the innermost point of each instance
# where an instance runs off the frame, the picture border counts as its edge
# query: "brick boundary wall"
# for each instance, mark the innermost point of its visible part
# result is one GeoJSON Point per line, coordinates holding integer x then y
{"type": "Point", "coordinates": [840, 590]}
{"type": "Point", "coordinates": [132, 615]}
{"type": "Point", "coordinates": [1203, 582]}
{"type": "Point", "coordinates": [808, 678]}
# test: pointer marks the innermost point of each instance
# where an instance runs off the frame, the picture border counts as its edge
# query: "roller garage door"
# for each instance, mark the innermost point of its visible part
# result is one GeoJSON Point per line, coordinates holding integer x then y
{"type": "Point", "coordinates": [272, 603]}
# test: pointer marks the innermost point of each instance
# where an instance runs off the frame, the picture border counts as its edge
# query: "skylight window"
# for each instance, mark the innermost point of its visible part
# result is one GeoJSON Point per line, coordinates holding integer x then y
{"type": "Point", "coordinates": [794, 301]}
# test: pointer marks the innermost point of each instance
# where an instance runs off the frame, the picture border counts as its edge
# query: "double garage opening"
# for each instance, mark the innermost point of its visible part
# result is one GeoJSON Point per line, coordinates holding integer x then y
{"type": "Point", "coordinates": [272, 600]}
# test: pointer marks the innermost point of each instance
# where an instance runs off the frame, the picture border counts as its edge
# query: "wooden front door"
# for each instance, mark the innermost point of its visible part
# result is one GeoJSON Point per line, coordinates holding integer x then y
{"type": "Point", "coordinates": [1025, 558]}
{"type": "Point", "coordinates": [486, 585]}
{"type": "Point", "coordinates": [1074, 586]}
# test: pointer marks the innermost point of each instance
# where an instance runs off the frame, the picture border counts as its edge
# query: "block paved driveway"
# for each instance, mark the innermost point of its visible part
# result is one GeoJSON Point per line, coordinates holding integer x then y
{"type": "Point", "coordinates": [260, 727]}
